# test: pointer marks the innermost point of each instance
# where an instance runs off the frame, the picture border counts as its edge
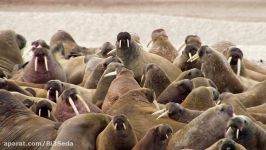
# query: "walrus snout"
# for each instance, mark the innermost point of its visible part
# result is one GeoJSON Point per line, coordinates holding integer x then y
{"type": "Point", "coordinates": [234, 54]}
{"type": "Point", "coordinates": [174, 110]}
{"type": "Point", "coordinates": [54, 89]}
{"type": "Point", "coordinates": [227, 144]}
{"type": "Point", "coordinates": [215, 93]}
{"type": "Point", "coordinates": [123, 39]}
{"type": "Point", "coordinates": [28, 103]}
{"type": "Point", "coordinates": [39, 43]}
{"type": "Point", "coordinates": [185, 86]}
{"type": "Point", "coordinates": [119, 122]}
{"type": "Point", "coordinates": [190, 50]}
{"type": "Point", "coordinates": [235, 126]}
{"type": "Point", "coordinates": [44, 109]}
{"type": "Point", "coordinates": [228, 109]}
{"type": "Point", "coordinates": [194, 73]}
{"type": "Point", "coordinates": [163, 131]}
{"type": "Point", "coordinates": [106, 48]}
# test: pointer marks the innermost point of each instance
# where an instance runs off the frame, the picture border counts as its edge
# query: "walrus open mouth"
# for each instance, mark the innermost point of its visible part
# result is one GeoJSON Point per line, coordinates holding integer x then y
{"type": "Point", "coordinates": [40, 57]}
{"type": "Point", "coordinates": [119, 122]}
{"type": "Point", "coordinates": [235, 57]}
{"type": "Point", "coordinates": [123, 38]}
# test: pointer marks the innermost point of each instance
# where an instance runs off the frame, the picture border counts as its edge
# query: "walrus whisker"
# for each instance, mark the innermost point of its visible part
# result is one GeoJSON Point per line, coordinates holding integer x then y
{"type": "Point", "coordinates": [36, 64]}
{"type": "Point", "coordinates": [159, 111]}
{"type": "Point", "coordinates": [165, 114]}
{"type": "Point", "coordinates": [238, 67]}
{"type": "Point", "coordinates": [40, 111]}
{"type": "Point", "coordinates": [110, 74]}
{"type": "Point", "coordinates": [119, 43]}
{"type": "Point", "coordinates": [46, 63]}
{"type": "Point", "coordinates": [49, 114]}
{"type": "Point", "coordinates": [71, 102]}
{"type": "Point", "coordinates": [124, 126]}
{"type": "Point", "coordinates": [127, 43]}
{"type": "Point", "coordinates": [84, 103]}
{"type": "Point", "coordinates": [237, 133]}
{"type": "Point", "coordinates": [229, 59]}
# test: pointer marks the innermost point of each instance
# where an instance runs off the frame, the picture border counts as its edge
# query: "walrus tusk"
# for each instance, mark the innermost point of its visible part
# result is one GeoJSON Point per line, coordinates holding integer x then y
{"type": "Point", "coordinates": [115, 127]}
{"type": "Point", "coordinates": [119, 43]}
{"type": "Point", "coordinates": [218, 102]}
{"type": "Point", "coordinates": [238, 67]}
{"type": "Point", "coordinates": [48, 94]}
{"type": "Point", "coordinates": [166, 136]}
{"type": "Point", "coordinates": [110, 74]}
{"type": "Point", "coordinates": [229, 60]}
{"type": "Point", "coordinates": [237, 133]}
{"type": "Point", "coordinates": [159, 111]}
{"type": "Point", "coordinates": [189, 54]}
{"type": "Point", "coordinates": [124, 126]}
{"type": "Point", "coordinates": [84, 103]}
{"type": "Point", "coordinates": [40, 111]}
{"type": "Point", "coordinates": [163, 115]}
{"type": "Point", "coordinates": [49, 113]}
{"type": "Point", "coordinates": [46, 63]}
{"type": "Point", "coordinates": [149, 43]}
{"type": "Point", "coordinates": [142, 78]}
{"type": "Point", "coordinates": [36, 64]}
{"type": "Point", "coordinates": [127, 43]}
{"type": "Point", "coordinates": [56, 95]}
{"type": "Point", "coordinates": [71, 102]}
{"type": "Point", "coordinates": [193, 58]}
{"type": "Point", "coordinates": [156, 104]}
{"type": "Point", "coordinates": [228, 130]}
{"type": "Point", "coordinates": [113, 50]}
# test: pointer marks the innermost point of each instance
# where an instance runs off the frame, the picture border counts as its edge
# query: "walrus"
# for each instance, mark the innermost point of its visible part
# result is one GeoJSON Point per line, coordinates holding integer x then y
{"type": "Point", "coordinates": [117, 135]}
{"type": "Point", "coordinates": [138, 106]}
{"type": "Point", "coordinates": [134, 57]}
{"type": "Point", "coordinates": [81, 131]}
{"type": "Point", "coordinates": [155, 78]}
{"type": "Point", "coordinates": [11, 86]}
{"type": "Point", "coordinates": [92, 80]}
{"type": "Point", "coordinates": [204, 130]}
{"type": "Point", "coordinates": [70, 103]}
{"type": "Point", "coordinates": [43, 108]}
{"type": "Point", "coordinates": [181, 61]}
{"type": "Point", "coordinates": [123, 83]}
{"type": "Point", "coordinates": [19, 124]}
{"type": "Point", "coordinates": [192, 40]}
{"type": "Point", "coordinates": [54, 90]}
{"type": "Point", "coordinates": [104, 84]}
{"type": "Point", "coordinates": [247, 133]}
{"type": "Point", "coordinates": [201, 98]}
{"type": "Point", "coordinates": [257, 109]}
{"type": "Point", "coordinates": [177, 91]}
{"type": "Point", "coordinates": [225, 82]}
{"type": "Point", "coordinates": [226, 144]}
{"type": "Point", "coordinates": [178, 113]}
{"type": "Point", "coordinates": [42, 67]}
{"type": "Point", "coordinates": [162, 46]}
{"type": "Point", "coordinates": [11, 44]}
{"type": "Point", "coordinates": [190, 74]}
{"type": "Point", "coordinates": [156, 138]}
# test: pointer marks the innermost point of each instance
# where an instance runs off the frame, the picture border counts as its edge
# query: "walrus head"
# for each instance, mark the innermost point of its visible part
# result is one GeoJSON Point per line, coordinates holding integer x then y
{"type": "Point", "coordinates": [40, 58]}
{"type": "Point", "coordinates": [237, 127]}
{"type": "Point", "coordinates": [184, 87]}
{"type": "Point", "coordinates": [190, 74]}
{"type": "Point", "coordinates": [235, 55]}
{"type": "Point", "coordinates": [162, 133]}
{"type": "Point", "coordinates": [159, 34]}
{"type": "Point", "coordinates": [120, 122]}
{"type": "Point", "coordinates": [123, 40]}
{"type": "Point", "coordinates": [106, 48]}
{"type": "Point", "coordinates": [226, 144]}
{"type": "Point", "coordinates": [43, 109]}
{"type": "Point", "coordinates": [190, 50]}
{"type": "Point", "coordinates": [28, 103]}
{"type": "Point", "coordinates": [39, 43]}
{"type": "Point", "coordinates": [193, 40]}
{"type": "Point", "coordinates": [174, 110]}
{"type": "Point", "coordinates": [54, 89]}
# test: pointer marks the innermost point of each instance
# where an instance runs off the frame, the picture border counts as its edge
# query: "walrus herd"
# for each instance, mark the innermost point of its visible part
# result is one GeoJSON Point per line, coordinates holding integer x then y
{"type": "Point", "coordinates": [122, 96]}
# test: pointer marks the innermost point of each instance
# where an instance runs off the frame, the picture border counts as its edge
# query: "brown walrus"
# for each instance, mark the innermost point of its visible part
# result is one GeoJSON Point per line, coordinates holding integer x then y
{"type": "Point", "coordinates": [81, 131]}
{"type": "Point", "coordinates": [10, 45]}
{"type": "Point", "coordinates": [155, 78]}
{"type": "Point", "coordinates": [118, 135]}
{"type": "Point", "coordinates": [213, 63]}
{"type": "Point", "coordinates": [156, 138]}
{"type": "Point", "coordinates": [138, 106]}
{"type": "Point", "coordinates": [204, 130]}
{"type": "Point", "coordinates": [11, 86]}
{"type": "Point", "coordinates": [192, 40]}
{"type": "Point", "coordinates": [162, 46]}
{"type": "Point", "coordinates": [134, 57]}
{"type": "Point", "coordinates": [123, 83]}
{"type": "Point", "coordinates": [43, 108]}
{"type": "Point", "coordinates": [257, 109]}
{"type": "Point", "coordinates": [247, 133]}
{"type": "Point", "coordinates": [42, 67]}
{"type": "Point", "coordinates": [19, 124]}
{"type": "Point", "coordinates": [226, 144]}
{"type": "Point", "coordinates": [70, 103]}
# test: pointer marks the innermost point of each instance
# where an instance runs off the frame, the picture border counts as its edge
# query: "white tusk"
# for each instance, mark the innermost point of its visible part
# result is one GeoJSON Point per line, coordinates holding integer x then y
{"type": "Point", "coordinates": [36, 64]}
{"type": "Point", "coordinates": [46, 63]}
{"type": "Point", "coordinates": [115, 127]}
{"type": "Point", "coordinates": [229, 60]}
{"type": "Point", "coordinates": [159, 111]}
{"type": "Point", "coordinates": [48, 94]}
{"type": "Point", "coordinates": [163, 115]}
{"type": "Point", "coordinates": [193, 58]}
{"type": "Point", "coordinates": [113, 50]}
{"type": "Point", "coordinates": [73, 105]}
{"type": "Point", "coordinates": [40, 111]}
{"type": "Point", "coordinates": [124, 126]}
{"type": "Point", "coordinates": [189, 54]}
{"type": "Point", "coordinates": [238, 67]}
{"type": "Point", "coordinates": [127, 43]}
{"type": "Point", "coordinates": [156, 104]}
{"type": "Point", "coordinates": [149, 43]}
{"type": "Point", "coordinates": [119, 43]}
{"type": "Point", "coordinates": [218, 102]}
{"type": "Point", "coordinates": [237, 133]}
{"type": "Point", "coordinates": [110, 74]}
{"type": "Point", "coordinates": [228, 130]}
{"type": "Point", "coordinates": [49, 114]}
{"type": "Point", "coordinates": [142, 78]}
{"type": "Point", "coordinates": [234, 115]}
{"type": "Point", "coordinates": [166, 136]}
{"type": "Point", "coordinates": [84, 103]}
{"type": "Point", "coordinates": [56, 95]}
